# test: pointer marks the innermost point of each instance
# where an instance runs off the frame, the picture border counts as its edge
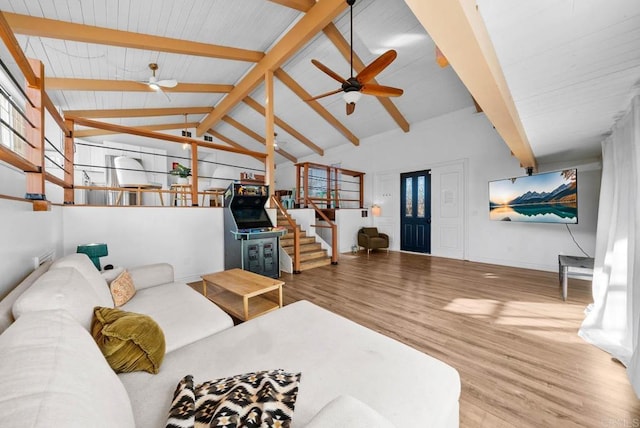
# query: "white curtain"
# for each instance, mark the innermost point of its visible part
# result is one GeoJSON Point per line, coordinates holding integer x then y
{"type": "Point", "coordinates": [613, 320]}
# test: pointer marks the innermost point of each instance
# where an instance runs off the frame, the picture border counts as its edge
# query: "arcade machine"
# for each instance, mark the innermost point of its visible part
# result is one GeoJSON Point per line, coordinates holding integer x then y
{"type": "Point", "coordinates": [252, 243]}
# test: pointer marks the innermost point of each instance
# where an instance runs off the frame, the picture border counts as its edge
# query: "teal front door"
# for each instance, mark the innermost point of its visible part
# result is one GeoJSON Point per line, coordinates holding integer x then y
{"type": "Point", "coordinates": [415, 211]}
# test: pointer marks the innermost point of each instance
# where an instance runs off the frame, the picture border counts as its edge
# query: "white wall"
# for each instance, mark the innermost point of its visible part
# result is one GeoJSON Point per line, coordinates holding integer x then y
{"type": "Point", "coordinates": [466, 135]}
{"type": "Point", "coordinates": [25, 234]}
{"type": "Point", "coordinates": [349, 221]}
{"type": "Point", "coordinates": [191, 239]}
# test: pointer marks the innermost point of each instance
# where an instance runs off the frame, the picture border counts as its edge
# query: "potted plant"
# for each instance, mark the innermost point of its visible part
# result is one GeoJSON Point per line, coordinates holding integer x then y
{"type": "Point", "coordinates": [182, 172]}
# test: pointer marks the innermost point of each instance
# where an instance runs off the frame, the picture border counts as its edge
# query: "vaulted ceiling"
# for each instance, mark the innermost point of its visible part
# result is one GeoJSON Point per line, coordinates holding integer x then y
{"type": "Point", "coordinates": [96, 53]}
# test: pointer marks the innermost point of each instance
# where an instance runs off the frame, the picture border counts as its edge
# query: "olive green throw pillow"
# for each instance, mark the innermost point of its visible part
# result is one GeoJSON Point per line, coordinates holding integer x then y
{"type": "Point", "coordinates": [130, 342]}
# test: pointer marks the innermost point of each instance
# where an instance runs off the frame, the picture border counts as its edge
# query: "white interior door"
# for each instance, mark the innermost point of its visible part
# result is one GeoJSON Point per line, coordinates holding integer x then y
{"type": "Point", "coordinates": [448, 210]}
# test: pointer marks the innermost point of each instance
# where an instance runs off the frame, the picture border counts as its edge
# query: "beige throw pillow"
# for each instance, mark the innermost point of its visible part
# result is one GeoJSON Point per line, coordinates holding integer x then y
{"type": "Point", "coordinates": [122, 289]}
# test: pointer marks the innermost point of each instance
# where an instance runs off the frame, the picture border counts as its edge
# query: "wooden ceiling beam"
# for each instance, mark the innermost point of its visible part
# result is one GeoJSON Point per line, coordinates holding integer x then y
{"type": "Point", "coordinates": [229, 141]}
{"type": "Point", "coordinates": [315, 105]}
{"type": "Point", "coordinates": [70, 84]}
{"type": "Point", "coordinates": [321, 14]}
{"type": "Point", "coordinates": [83, 133]}
{"type": "Point", "coordinates": [332, 32]}
{"type": "Point", "coordinates": [79, 121]}
{"type": "Point", "coordinates": [43, 27]}
{"type": "Point", "coordinates": [259, 138]}
{"type": "Point", "coordinates": [138, 112]}
{"type": "Point", "coordinates": [458, 30]}
{"type": "Point", "coordinates": [10, 41]}
{"type": "Point", "coordinates": [285, 126]}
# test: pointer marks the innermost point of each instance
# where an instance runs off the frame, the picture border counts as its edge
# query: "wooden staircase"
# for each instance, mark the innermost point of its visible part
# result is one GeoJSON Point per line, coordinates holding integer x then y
{"type": "Point", "coordinates": [311, 253]}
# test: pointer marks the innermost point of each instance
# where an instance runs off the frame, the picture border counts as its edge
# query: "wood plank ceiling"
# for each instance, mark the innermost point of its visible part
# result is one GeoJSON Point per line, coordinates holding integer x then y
{"type": "Point", "coordinates": [96, 54]}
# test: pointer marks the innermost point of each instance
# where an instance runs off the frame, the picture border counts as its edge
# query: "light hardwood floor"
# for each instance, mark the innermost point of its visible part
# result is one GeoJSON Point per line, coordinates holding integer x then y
{"type": "Point", "coordinates": [506, 330]}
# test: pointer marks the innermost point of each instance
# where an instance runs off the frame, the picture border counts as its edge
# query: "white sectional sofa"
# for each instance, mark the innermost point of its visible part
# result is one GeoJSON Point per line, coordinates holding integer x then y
{"type": "Point", "coordinates": [52, 373]}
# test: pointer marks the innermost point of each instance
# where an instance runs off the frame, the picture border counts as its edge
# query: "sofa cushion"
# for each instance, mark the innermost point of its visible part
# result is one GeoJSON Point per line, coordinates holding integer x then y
{"type": "Point", "coordinates": [130, 342]}
{"type": "Point", "coordinates": [122, 289]}
{"type": "Point", "coordinates": [264, 398]}
{"type": "Point", "coordinates": [53, 375]}
{"type": "Point", "coordinates": [88, 270]}
{"type": "Point", "coordinates": [181, 312]}
{"type": "Point", "coordinates": [347, 411]}
{"type": "Point", "coordinates": [151, 275]}
{"type": "Point", "coordinates": [62, 288]}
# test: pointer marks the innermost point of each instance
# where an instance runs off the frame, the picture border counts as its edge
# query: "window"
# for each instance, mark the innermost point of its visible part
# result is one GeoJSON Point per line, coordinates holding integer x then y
{"type": "Point", "coordinates": [11, 118]}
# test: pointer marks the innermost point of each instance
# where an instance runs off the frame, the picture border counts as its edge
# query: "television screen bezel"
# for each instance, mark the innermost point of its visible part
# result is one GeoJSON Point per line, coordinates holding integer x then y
{"type": "Point", "coordinates": [534, 175]}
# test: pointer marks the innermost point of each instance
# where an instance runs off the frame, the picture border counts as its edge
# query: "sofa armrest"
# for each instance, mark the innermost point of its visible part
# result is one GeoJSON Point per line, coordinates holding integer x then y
{"type": "Point", "coordinates": [384, 236]}
{"type": "Point", "coordinates": [363, 240]}
{"type": "Point", "coordinates": [151, 275]}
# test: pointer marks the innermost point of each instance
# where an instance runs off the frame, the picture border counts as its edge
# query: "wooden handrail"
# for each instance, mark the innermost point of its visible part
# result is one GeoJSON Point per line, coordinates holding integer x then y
{"type": "Point", "coordinates": [332, 225]}
{"type": "Point", "coordinates": [12, 158]}
{"type": "Point", "coordinates": [296, 234]}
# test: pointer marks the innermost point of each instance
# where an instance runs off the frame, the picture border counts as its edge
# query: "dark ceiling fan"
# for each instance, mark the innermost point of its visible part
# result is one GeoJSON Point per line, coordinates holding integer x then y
{"type": "Point", "coordinates": [354, 87]}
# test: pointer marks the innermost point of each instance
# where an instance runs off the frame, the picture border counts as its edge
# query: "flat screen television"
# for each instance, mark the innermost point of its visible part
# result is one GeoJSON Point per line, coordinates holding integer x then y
{"type": "Point", "coordinates": [550, 197]}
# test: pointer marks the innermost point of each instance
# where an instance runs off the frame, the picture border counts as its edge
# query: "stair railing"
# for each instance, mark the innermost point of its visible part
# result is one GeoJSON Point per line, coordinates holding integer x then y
{"type": "Point", "coordinates": [296, 234]}
{"type": "Point", "coordinates": [331, 225]}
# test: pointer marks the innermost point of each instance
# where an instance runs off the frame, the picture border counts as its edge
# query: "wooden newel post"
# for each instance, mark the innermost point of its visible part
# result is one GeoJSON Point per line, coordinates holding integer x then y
{"type": "Point", "coordinates": [35, 136]}
{"type": "Point", "coordinates": [194, 175]}
{"type": "Point", "coordinates": [69, 193]}
{"type": "Point", "coordinates": [269, 178]}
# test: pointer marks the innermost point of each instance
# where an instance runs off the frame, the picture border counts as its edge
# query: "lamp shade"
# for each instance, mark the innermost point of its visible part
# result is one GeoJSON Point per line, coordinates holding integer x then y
{"type": "Point", "coordinates": [94, 251]}
{"type": "Point", "coordinates": [351, 97]}
{"type": "Point", "coordinates": [376, 210]}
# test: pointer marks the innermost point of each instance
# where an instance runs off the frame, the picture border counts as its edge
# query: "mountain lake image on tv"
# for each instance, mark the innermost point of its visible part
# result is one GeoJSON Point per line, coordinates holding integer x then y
{"type": "Point", "coordinates": [551, 197]}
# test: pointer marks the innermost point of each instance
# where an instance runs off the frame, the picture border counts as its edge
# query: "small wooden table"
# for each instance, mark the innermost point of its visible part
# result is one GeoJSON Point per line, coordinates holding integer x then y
{"type": "Point", "coordinates": [237, 286]}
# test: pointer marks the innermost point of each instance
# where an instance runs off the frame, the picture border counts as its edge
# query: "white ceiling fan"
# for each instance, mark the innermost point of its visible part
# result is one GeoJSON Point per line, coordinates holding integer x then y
{"type": "Point", "coordinates": [156, 84]}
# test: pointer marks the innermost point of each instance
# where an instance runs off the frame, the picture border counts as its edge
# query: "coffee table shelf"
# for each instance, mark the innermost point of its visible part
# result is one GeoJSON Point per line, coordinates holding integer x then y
{"type": "Point", "coordinates": [234, 305]}
{"type": "Point", "coordinates": [241, 292]}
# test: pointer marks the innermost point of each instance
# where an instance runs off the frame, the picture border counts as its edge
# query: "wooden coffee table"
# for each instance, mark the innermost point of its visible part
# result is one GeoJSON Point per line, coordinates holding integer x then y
{"type": "Point", "coordinates": [240, 292]}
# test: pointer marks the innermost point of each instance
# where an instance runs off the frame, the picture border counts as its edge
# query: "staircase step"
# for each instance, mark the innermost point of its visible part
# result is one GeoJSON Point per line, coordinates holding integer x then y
{"type": "Point", "coordinates": [289, 235]}
{"type": "Point", "coordinates": [287, 240]}
{"type": "Point", "coordinates": [304, 248]}
{"type": "Point", "coordinates": [314, 263]}
{"type": "Point", "coordinates": [312, 255]}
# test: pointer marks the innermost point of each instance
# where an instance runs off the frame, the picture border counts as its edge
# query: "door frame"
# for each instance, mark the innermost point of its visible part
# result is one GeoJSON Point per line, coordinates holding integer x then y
{"type": "Point", "coordinates": [390, 221]}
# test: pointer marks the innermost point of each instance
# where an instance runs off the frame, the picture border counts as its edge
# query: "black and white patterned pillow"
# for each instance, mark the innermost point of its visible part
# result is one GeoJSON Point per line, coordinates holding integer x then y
{"type": "Point", "coordinates": [183, 406]}
{"type": "Point", "coordinates": [252, 400]}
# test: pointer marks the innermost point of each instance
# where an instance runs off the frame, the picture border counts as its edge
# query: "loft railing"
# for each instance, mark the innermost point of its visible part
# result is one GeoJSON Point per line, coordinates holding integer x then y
{"type": "Point", "coordinates": [326, 186]}
{"type": "Point", "coordinates": [31, 157]}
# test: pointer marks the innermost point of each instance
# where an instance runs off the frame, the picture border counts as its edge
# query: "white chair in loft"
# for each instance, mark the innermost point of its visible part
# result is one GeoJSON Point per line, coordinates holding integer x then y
{"type": "Point", "coordinates": [131, 175]}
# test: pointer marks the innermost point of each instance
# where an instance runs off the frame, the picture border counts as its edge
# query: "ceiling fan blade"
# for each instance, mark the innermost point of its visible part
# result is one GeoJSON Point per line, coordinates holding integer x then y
{"type": "Point", "coordinates": [381, 91]}
{"type": "Point", "coordinates": [325, 95]}
{"type": "Point", "coordinates": [165, 94]}
{"type": "Point", "coordinates": [351, 107]}
{"type": "Point", "coordinates": [328, 71]}
{"type": "Point", "coordinates": [168, 83]}
{"type": "Point", "coordinates": [373, 69]}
